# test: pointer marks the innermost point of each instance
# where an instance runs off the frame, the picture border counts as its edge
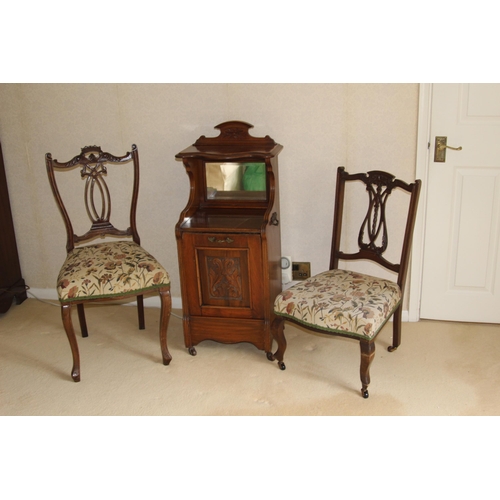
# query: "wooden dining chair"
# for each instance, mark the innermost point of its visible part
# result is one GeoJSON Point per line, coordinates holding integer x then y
{"type": "Point", "coordinates": [116, 268]}
{"type": "Point", "coordinates": [351, 304]}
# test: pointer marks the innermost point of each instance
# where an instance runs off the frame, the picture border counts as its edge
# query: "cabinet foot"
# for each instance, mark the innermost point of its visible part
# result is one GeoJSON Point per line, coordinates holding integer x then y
{"type": "Point", "coordinates": [192, 351]}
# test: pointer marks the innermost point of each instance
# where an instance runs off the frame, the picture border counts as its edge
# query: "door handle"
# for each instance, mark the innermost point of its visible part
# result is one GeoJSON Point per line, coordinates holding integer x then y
{"type": "Point", "coordinates": [440, 149]}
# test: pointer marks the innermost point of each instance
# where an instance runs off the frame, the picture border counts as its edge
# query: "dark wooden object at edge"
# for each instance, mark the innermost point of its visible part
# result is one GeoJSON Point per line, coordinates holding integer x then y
{"type": "Point", "coordinates": [12, 285]}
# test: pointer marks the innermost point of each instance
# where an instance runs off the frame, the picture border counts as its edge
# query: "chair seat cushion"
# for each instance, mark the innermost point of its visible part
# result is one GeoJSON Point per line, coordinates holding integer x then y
{"type": "Point", "coordinates": [109, 270]}
{"type": "Point", "coordinates": [341, 302]}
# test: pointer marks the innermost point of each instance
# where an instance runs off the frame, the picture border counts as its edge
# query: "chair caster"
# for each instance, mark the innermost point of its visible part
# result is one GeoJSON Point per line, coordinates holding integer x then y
{"type": "Point", "coordinates": [364, 393]}
{"type": "Point", "coordinates": [391, 348]}
{"type": "Point", "coordinates": [281, 365]}
{"type": "Point", "coordinates": [270, 356]}
{"type": "Point", "coordinates": [192, 351]}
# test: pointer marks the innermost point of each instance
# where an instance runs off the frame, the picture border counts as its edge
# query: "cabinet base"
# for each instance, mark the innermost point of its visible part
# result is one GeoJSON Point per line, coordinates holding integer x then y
{"type": "Point", "coordinates": [227, 331]}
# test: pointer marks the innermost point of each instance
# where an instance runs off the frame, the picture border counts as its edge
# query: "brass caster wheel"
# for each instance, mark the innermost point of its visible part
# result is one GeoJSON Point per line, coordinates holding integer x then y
{"type": "Point", "coordinates": [391, 348]}
{"type": "Point", "coordinates": [192, 351]}
{"type": "Point", "coordinates": [270, 356]}
{"type": "Point", "coordinates": [281, 365]}
{"type": "Point", "coordinates": [364, 392]}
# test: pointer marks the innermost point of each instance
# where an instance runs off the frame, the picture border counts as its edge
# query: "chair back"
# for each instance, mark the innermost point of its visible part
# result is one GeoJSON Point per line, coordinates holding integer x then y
{"type": "Point", "coordinates": [92, 164]}
{"type": "Point", "coordinates": [373, 237]}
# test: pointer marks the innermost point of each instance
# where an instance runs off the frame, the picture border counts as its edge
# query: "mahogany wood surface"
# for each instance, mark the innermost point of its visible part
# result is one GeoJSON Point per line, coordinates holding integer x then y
{"type": "Point", "coordinates": [229, 249]}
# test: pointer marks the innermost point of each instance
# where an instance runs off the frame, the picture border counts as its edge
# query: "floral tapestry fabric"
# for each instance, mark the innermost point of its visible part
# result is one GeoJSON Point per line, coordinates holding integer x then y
{"type": "Point", "coordinates": [108, 270]}
{"type": "Point", "coordinates": [340, 301]}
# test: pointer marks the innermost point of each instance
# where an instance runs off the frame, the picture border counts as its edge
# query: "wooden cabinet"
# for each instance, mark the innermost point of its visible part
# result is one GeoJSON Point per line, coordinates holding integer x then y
{"type": "Point", "coordinates": [228, 238]}
{"type": "Point", "coordinates": [11, 282]}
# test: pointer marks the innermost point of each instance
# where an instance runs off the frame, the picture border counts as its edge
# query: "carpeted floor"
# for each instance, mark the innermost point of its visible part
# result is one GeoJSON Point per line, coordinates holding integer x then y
{"type": "Point", "coordinates": [440, 369]}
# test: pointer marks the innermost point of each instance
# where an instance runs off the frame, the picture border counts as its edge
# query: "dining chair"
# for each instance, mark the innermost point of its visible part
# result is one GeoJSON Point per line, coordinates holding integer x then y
{"type": "Point", "coordinates": [346, 303]}
{"type": "Point", "coordinates": [116, 268]}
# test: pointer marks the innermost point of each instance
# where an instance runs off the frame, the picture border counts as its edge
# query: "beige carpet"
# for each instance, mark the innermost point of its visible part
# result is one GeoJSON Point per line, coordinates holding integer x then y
{"type": "Point", "coordinates": [440, 369]}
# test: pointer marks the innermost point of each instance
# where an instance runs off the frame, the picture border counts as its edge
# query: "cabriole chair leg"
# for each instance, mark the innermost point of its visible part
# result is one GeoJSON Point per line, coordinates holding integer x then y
{"type": "Point", "coordinates": [166, 307]}
{"type": "Point", "coordinates": [367, 354]}
{"type": "Point", "coordinates": [70, 332]}
{"type": "Point", "coordinates": [277, 327]}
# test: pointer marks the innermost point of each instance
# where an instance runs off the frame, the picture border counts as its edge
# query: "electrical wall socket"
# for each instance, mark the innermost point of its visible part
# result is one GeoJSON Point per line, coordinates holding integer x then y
{"type": "Point", "coordinates": [301, 270]}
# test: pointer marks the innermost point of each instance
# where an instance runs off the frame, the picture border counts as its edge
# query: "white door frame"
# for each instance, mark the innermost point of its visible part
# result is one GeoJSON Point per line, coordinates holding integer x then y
{"type": "Point", "coordinates": [421, 172]}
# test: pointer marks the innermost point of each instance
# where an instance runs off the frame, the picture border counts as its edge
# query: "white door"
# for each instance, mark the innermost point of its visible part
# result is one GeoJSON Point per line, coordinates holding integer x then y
{"type": "Point", "coordinates": [461, 265]}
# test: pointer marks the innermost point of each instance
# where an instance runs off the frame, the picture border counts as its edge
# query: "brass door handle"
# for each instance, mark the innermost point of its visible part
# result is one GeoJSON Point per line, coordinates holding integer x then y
{"type": "Point", "coordinates": [440, 149]}
{"type": "Point", "coordinates": [442, 146]}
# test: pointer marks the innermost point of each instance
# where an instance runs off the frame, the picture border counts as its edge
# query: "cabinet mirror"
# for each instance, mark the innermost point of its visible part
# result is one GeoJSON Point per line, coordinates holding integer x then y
{"type": "Point", "coordinates": [236, 181]}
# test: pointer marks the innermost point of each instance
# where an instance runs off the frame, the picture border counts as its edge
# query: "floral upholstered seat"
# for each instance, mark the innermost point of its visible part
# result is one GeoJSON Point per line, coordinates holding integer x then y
{"type": "Point", "coordinates": [340, 301]}
{"type": "Point", "coordinates": [109, 270]}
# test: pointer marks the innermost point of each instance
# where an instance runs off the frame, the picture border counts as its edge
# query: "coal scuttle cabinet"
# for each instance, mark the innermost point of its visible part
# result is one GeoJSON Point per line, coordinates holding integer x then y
{"type": "Point", "coordinates": [228, 238]}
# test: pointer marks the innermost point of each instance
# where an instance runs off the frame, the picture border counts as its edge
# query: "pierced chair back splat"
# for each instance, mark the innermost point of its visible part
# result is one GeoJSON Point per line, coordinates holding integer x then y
{"type": "Point", "coordinates": [115, 269]}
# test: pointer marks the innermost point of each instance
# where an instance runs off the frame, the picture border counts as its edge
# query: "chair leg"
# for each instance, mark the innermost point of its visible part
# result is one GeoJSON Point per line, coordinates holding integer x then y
{"type": "Point", "coordinates": [396, 329]}
{"type": "Point", "coordinates": [140, 312]}
{"type": "Point", "coordinates": [83, 322]}
{"type": "Point", "coordinates": [70, 332]}
{"type": "Point", "coordinates": [367, 354]}
{"type": "Point", "coordinates": [166, 308]}
{"type": "Point", "coordinates": [277, 328]}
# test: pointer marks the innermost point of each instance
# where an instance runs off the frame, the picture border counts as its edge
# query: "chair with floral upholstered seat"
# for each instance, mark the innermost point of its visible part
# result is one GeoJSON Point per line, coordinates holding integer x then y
{"type": "Point", "coordinates": [117, 268]}
{"type": "Point", "coordinates": [352, 304]}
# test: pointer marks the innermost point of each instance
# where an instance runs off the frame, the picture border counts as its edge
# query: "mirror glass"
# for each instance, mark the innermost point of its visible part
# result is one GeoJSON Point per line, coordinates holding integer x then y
{"type": "Point", "coordinates": [236, 181]}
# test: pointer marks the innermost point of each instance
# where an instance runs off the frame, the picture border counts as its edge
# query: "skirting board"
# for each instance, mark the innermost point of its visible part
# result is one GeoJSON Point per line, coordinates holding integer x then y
{"type": "Point", "coordinates": [154, 301]}
{"type": "Point", "coordinates": [51, 294]}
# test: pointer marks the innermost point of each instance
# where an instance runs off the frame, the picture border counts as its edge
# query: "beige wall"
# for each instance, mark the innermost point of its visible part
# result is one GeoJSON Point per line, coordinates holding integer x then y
{"type": "Point", "coordinates": [321, 126]}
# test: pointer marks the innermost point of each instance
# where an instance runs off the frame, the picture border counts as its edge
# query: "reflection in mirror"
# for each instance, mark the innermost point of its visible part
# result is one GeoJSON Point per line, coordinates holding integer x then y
{"type": "Point", "coordinates": [235, 181]}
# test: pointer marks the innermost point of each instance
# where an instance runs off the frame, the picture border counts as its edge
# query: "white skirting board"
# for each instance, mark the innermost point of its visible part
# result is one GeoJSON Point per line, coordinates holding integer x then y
{"type": "Point", "coordinates": [153, 301]}
{"type": "Point", "coordinates": [51, 294]}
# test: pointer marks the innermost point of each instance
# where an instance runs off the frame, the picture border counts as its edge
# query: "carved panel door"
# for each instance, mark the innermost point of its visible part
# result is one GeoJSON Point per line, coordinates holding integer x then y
{"type": "Point", "coordinates": [227, 270]}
